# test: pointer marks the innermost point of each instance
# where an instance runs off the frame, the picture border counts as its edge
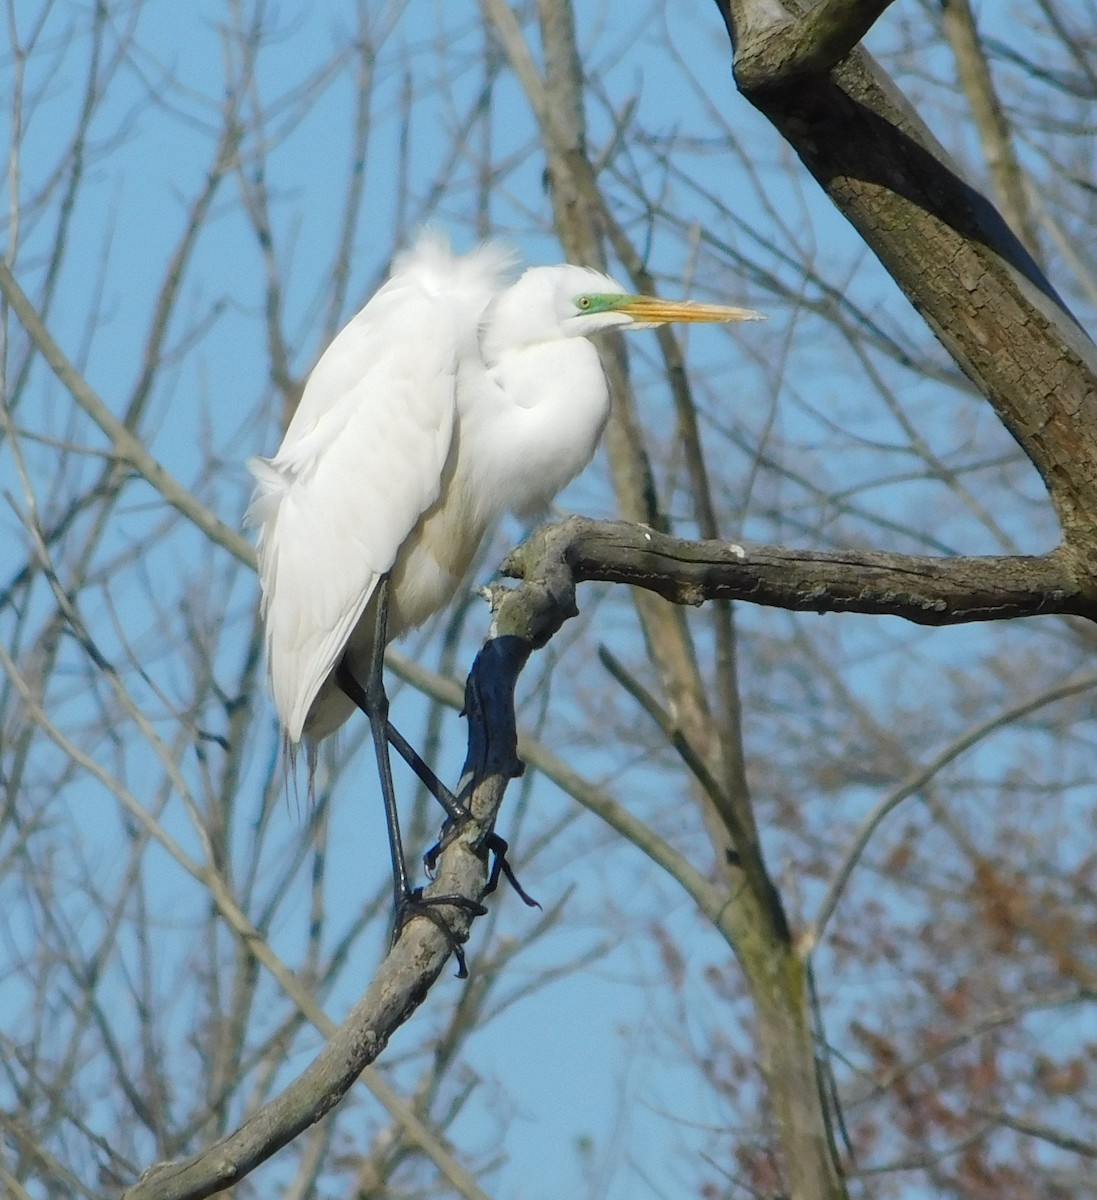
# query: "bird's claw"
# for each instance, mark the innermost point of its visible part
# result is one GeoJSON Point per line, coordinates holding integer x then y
{"type": "Point", "coordinates": [500, 865]}
{"type": "Point", "coordinates": [415, 904]}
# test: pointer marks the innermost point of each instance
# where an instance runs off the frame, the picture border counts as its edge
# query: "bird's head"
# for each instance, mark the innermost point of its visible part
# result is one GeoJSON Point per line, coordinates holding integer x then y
{"type": "Point", "coordinates": [618, 309]}
{"type": "Point", "coordinates": [550, 303]}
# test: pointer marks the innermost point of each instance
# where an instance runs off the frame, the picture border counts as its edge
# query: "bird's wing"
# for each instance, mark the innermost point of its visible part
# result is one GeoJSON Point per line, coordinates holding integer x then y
{"type": "Point", "coordinates": [362, 459]}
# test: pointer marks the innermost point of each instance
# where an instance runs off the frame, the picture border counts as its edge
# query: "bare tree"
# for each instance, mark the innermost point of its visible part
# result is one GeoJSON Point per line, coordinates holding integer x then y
{"type": "Point", "coordinates": [883, 818]}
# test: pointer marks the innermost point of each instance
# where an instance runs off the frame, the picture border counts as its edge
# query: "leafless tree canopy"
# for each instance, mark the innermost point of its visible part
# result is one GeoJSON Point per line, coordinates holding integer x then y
{"type": "Point", "coordinates": [805, 697]}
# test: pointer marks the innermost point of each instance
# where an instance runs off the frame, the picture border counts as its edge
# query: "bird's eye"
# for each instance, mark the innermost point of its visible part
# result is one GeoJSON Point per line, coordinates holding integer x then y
{"type": "Point", "coordinates": [583, 303]}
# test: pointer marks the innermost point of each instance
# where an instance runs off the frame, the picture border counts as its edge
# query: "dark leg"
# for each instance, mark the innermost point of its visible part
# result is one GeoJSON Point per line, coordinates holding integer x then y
{"type": "Point", "coordinates": [455, 810]}
{"type": "Point", "coordinates": [374, 703]}
{"type": "Point", "coordinates": [457, 814]}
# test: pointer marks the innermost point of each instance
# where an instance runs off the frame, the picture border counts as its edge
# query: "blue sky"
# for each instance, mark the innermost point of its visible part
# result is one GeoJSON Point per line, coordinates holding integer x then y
{"type": "Point", "coordinates": [571, 1056]}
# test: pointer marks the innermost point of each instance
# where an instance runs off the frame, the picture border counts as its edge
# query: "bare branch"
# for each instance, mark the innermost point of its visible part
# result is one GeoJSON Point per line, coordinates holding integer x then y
{"type": "Point", "coordinates": [991, 121]}
{"type": "Point", "coordinates": [921, 588]}
{"type": "Point", "coordinates": [127, 447]}
{"type": "Point", "coordinates": [1040, 1131]}
{"type": "Point", "coordinates": [525, 619]}
{"type": "Point", "coordinates": [917, 780]}
{"type": "Point", "coordinates": [398, 988]}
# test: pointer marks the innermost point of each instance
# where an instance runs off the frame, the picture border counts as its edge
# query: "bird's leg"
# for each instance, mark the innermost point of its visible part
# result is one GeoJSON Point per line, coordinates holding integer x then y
{"type": "Point", "coordinates": [373, 701]}
{"type": "Point", "coordinates": [456, 813]}
{"type": "Point", "coordinates": [456, 816]}
{"type": "Point", "coordinates": [455, 810]}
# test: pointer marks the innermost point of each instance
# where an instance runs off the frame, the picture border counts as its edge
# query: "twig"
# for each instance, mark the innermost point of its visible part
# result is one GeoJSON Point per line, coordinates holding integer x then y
{"type": "Point", "coordinates": [127, 447]}
{"type": "Point", "coordinates": [915, 781]}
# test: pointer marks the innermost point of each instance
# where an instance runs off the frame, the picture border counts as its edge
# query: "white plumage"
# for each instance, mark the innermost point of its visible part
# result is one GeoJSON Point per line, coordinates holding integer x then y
{"type": "Point", "coordinates": [447, 400]}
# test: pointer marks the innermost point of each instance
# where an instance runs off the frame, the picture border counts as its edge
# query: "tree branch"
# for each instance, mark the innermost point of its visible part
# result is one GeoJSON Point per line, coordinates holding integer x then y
{"type": "Point", "coordinates": [525, 618]}
{"type": "Point", "coordinates": [779, 50]}
{"type": "Point", "coordinates": [924, 589]}
{"type": "Point", "coordinates": [991, 122]}
{"type": "Point", "coordinates": [945, 245]}
{"type": "Point", "coordinates": [399, 987]}
{"type": "Point", "coordinates": [126, 445]}
{"type": "Point", "coordinates": [915, 781]}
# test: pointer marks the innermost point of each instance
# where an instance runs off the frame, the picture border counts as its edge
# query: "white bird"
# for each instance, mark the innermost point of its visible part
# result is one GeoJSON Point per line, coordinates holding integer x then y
{"type": "Point", "coordinates": [449, 399]}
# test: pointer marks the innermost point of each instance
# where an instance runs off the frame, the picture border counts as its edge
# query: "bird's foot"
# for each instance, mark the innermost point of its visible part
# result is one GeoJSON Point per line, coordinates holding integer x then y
{"type": "Point", "coordinates": [415, 904]}
{"type": "Point", "coordinates": [500, 865]}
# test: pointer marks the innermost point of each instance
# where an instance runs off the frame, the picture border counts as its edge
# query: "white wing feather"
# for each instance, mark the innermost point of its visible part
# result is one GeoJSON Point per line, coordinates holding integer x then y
{"type": "Point", "coordinates": [362, 459]}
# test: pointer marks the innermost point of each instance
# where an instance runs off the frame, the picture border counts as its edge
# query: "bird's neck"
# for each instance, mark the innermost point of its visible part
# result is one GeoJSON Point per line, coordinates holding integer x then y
{"type": "Point", "coordinates": [535, 421]}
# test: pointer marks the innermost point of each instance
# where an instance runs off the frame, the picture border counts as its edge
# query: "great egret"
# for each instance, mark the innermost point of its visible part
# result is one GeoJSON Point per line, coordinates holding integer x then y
{"type": "Point", "coordinates": [449, 399]}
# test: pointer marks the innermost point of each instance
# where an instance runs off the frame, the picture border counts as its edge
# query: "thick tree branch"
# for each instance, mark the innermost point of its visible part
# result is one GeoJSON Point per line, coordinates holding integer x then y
{"type": "Point", "coordinates": [551, 562]}
{"type": "Point", "coordinates": [921, 588]}
{"type": "Point", "coordinates": [781, 50]}
{"type": "Point", "coordinates": [526, 618]}
{"type": "Point", "coordinates": [945, 245]}
{"type": "Point", "coordinates": [399, 987]}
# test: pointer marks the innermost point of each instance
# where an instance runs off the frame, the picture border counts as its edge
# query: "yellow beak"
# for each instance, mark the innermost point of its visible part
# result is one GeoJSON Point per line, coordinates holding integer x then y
{"type": "Point", "coordinates": [650, 310]}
